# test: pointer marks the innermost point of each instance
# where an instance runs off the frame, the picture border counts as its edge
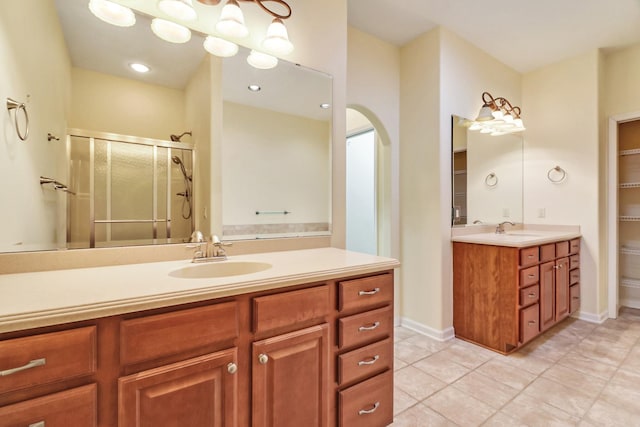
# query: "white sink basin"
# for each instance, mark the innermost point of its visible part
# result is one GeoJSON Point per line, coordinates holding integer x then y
{"type": "Point", "coordinates": [219, 269]}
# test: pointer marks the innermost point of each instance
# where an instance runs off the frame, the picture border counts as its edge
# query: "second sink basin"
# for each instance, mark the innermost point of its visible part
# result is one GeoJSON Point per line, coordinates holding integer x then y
{"type": "Point", "coordinates": [219, 269]}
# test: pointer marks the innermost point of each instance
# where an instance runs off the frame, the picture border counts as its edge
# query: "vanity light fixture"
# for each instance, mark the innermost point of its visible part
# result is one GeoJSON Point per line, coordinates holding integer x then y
{"type": "Point", "coordinates": [277, 40]}
{"type": "Point", "coordinates": [140, 68]}
{"type": "Point", "coordinates": [261, 60]}
{"type": "Point", "coordinates": [170, 31]}
{"type": "Point", "coordinates": [497, 116]}
{"type": "Point", "coordinates": [179, 9]}
{"type": "Point", "coordinates": [220, 47]}
{"type": "Point", "coordinates": [112, 13]}
{"type": "Point", "coordinates": [231, 23]}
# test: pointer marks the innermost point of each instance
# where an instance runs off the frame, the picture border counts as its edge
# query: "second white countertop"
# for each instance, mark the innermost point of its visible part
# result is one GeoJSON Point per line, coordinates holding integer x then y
{"type": "Point", "coordinates": [45, 298]}
{"type": "Point", "coordinates": [519, 238]}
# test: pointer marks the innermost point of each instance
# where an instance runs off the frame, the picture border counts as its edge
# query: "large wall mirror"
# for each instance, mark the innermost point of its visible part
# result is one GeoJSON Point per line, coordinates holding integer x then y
{"type": "Point", "coordinates": [188, 140]}
{"type": "Point", "coordinates": [487, 176]}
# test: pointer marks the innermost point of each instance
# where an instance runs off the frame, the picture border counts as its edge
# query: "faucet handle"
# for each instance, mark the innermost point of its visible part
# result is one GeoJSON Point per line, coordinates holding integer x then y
{"type": "Point", "coordinates": [217, 242]}
{"type": "Point", "coordinates": [196, 237]}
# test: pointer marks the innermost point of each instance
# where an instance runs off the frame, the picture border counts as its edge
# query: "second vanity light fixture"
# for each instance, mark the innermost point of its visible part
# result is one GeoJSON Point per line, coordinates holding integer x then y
{"type": "Point", "coordinates": [497, 116]}
{"type": "Point", "coordinates": [230, 25]}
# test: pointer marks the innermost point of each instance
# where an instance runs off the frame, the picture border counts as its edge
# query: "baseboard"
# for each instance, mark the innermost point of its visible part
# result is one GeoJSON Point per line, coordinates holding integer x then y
{"type": "Point", "coordinates": [592, 318]}
{"type": "Point", "coordinates": [630, 302]}
{"type": "Point", "coordinates": [436, 334]}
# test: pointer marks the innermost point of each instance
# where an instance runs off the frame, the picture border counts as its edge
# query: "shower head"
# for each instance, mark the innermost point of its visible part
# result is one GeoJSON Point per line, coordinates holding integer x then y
{"type": "Point", "coordinates": [176, 138]}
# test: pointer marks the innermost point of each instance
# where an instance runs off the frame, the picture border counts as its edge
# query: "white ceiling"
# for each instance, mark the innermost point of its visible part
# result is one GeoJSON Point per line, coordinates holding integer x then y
{"type": "Point", "coordinates": [522, 34]}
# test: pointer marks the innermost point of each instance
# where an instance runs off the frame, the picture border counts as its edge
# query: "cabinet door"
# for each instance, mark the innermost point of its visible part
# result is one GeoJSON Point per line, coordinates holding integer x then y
{"type": "Point", "coordinates": [290, 379]}
{"type": "Point", "coordinates": [197, 392]}
{"type": "Point", "coordinates": [562, 288]}
{"type": "Point", "coordinates": [547, 295]}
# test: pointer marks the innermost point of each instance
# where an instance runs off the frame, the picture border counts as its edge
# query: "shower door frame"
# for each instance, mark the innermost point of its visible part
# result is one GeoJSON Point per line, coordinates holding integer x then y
{"type": "Point", "coordinates": [109, 137]}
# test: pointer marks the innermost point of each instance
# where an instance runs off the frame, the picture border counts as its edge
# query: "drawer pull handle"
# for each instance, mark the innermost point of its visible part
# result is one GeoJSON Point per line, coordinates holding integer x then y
{"type": "Point", "coordinates": [263, 359]}
{"type": "Point", "coordinates": [32, 364]}
{"type": "Point", "coordinates": [369, 328]}
{"type": "Point", "coordinates": [576, 297]}
{"type": "Point", "coordinates": [38, 424]}
{"type": "Point", "coordinates": [532, 295]}
{"type": "Point", "coordinates": [232, 368]}
{"type": "Point", "coordinates": [531, 276]}
{"type": "Point", "coordinates": [532, 322]}
{"type": "Point", "coordinates": [371, 361]}
{"type": "Point", "coordinates": [530, 256]}
{"type": "Point", "coordinates": [369, 411]}
{"type": "Point", "coordinates": [371, 292]}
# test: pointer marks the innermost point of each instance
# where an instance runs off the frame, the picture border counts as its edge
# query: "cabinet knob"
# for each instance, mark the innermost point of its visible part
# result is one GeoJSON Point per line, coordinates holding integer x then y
{"type": "Point", "coordinates": [232, 368]}
{"type": "Point", "coordinates": [263, 359]}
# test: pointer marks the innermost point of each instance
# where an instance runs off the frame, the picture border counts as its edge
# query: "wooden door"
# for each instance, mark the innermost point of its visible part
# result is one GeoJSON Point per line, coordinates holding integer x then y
{"type": "Point", "coordinates": [197, 392]}
{"type": "Point", "coordinates": [562, 288]}
{"type": "Point", "coordinates": [290, 379]}
{"type": "Point", "coordinates": [547, 295]}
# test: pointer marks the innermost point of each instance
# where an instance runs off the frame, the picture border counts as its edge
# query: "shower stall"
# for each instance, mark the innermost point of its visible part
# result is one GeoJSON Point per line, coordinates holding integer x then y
{"type": "Point", "coordinates": [128, 190]}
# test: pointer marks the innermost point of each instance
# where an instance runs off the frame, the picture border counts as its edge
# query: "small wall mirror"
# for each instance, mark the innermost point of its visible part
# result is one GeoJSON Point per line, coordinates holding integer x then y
{"type": "Point", "coordinates": [487, 176]}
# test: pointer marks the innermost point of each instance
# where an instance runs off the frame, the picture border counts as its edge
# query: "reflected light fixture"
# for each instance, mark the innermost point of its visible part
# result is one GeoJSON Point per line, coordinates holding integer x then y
{"type": "Point", "coordinates": [170, 31]}
{"type": "Point", "coordinates": [112, 13]}
{"type": "Point", "coordinates": [497, 116]}
{"type": "Point", "coordinates": [140, 68]}
{"type": "Point", "coordinates": [261, 60]}
{"type": "Point", "coordinates": [179, 9]}
{"type": "Point", "coordinates": [220, 47]}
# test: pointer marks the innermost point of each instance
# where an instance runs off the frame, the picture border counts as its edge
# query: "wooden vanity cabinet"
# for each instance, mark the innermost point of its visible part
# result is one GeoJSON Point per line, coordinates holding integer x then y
{"type": "Point", "coordinates": [504, 296]}
{"type": "Point", "coordinates": [269, 358]}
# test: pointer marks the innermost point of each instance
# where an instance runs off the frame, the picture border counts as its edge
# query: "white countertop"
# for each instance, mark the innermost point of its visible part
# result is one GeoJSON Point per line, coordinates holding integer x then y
{"type": "Point", "coordinates": [517, 238]}
{"type": "Point", "coordinates": [30, 300]}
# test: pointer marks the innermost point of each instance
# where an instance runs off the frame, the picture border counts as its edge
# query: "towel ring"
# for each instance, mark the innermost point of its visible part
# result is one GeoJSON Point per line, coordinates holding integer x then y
{"type": "Point", "coordinates": [491, 180]}
{"type": "Point", "coordinates": [559, 170]}
{"type": "Point", "coordinates": [15, 105]}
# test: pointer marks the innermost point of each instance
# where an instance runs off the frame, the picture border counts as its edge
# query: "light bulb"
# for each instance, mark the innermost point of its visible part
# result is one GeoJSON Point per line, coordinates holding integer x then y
{"type": "Point", "coordinates": [231, 23]}
{"type": "Point", "coordinates": [140, 68]}
{"type": "Point", "coordinates": [498, 114]}
{"type": "Point", "coordinates": [170, 31]}
{"type": "Point", "coordinates": [261, 60]}
{"type": "Point", "coordinates": [178, 9]}
{"type": "Point", "coordinates": [112, 13]}
{"type": "Point", "coordinates": [220, 47]}
{"type": "Point", "coordinates": [475, 126]}
{"type": "Point", "coordinates": [277, 40]}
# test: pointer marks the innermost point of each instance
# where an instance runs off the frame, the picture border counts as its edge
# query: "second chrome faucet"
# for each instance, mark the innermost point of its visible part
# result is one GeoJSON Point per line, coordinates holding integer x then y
{"type": "Point", "coordinates": [500, 227]}
{"type": "Point", "coordinates": [211, 250]}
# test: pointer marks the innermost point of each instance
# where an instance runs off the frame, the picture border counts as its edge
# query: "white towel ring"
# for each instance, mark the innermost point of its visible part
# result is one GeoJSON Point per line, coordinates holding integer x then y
{"type": "Point", "coordinates": [557, 180]}
{"type": "Point", "coordinates": [491, 180]}
{"type": "Point", "coordinates": [19, 106]}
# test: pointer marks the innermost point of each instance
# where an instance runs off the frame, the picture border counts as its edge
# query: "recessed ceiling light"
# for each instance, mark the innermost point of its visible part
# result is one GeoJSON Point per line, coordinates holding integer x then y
{"type": "Point", "coordinates": [254, 88]}
{"type": "Point", "coordinates": [325, 105]}
{"type": "Point", "coordinates": [140, 68]}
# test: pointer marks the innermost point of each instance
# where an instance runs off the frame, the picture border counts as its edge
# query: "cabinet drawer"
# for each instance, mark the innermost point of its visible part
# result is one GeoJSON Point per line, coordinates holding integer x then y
{"type": "Point", "coordinates": [366, 327]}
{"type": "Point", "coordinates": [529, 256]}
{"type": "Point", "coordinates": [574, 293]}
{"type": "Point", "coordinates": [290, 308]}
{"type": "Point", "coordinates": [364, 362]}
{"type": "Point", "coordinates": [367, 404]}
{"type": "Point", "coordinates": [365, 292]}
{"type": "Point", "coordinates": [574, 246]}
{"type": "Point", "coordinates": [75, 407]}
{"type": "Point", "coordinates": [529, 276]}
{"type": "Point", "coordinates": [529, 322]}
{"type": "Point", "coordinates": [47, 358]}
{"type": "Point", "coordinates": [574, 262]}
{"type": "Point", "coordinates": [163, 335]}
{"type": "Point", "coordinates": [547, 252]}
{"type": "Point", "coordinates": [574, 276]}
{"type": "Point", "coordinates": [529, 295]}
{"type": "Point", "coordinates": [562, 249]}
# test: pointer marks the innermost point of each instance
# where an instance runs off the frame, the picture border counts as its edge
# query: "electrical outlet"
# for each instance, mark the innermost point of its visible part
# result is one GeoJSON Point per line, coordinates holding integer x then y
{"type": "Point", "coordinates": [542, 212]}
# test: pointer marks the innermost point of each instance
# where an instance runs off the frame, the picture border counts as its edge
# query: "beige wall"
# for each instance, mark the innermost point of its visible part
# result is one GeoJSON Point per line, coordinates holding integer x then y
{"type": "Point", "coordinates": [289, 170]}
{"type": "Point", "coordinates": [562, 120]}
{"type": "Point", "coordinates": [32, 214]}
{"type": "Point", "coordinates": [105, 103]}
{"type": "Point", "coordinates": [621, 82]}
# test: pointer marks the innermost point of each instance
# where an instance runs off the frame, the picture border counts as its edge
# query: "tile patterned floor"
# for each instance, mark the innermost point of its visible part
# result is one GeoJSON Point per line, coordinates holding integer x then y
{"type": "Point", "coordinates": [576, 374]}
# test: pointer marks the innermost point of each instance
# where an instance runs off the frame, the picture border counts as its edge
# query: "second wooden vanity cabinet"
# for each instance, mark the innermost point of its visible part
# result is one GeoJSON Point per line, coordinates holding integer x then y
{"type": "Point", "coordinates": [319, 354]}
{"type": "Point", "coordinates": [506, 296]}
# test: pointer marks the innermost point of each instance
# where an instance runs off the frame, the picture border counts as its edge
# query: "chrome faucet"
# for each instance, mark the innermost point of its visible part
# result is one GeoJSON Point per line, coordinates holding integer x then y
{"type": "Point", "coordinates": [211, 250]}
{"type": "Point", "coordinates": [500, 227]}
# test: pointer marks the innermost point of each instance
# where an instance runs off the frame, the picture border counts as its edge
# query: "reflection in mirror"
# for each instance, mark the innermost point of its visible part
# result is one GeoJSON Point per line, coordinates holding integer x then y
{"type": "Point", "coordinates": [73, 73]}
{"type": "Point", "coordinates": [487, 179]}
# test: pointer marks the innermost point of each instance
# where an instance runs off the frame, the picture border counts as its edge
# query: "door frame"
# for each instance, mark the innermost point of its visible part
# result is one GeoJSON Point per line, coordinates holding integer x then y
{"type": "Point", "coordinates": [612, 210]}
